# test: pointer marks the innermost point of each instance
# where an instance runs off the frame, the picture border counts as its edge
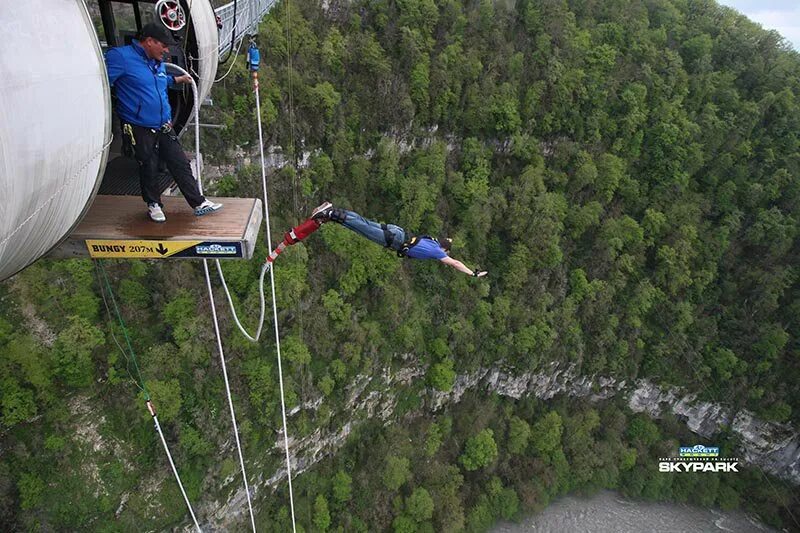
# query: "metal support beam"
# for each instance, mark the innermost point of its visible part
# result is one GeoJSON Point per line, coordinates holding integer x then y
{"type": "Point", "coordinates": [109, 26]}
{"type": "Point", "coordinates": [137, 16]}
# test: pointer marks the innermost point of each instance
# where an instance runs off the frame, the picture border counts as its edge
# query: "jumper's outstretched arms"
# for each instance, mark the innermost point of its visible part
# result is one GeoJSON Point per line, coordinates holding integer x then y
{"type": "Point", "coordinates": [458, 265]}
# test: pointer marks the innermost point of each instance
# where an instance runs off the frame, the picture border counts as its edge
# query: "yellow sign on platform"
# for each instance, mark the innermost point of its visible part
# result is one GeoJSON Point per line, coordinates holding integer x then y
{"type": "Point", "coordinates": [131, 249]}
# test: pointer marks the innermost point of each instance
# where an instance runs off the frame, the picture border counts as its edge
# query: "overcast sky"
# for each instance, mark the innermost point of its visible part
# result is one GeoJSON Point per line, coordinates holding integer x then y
{"type": "Point", "coordinates": [781, 15]}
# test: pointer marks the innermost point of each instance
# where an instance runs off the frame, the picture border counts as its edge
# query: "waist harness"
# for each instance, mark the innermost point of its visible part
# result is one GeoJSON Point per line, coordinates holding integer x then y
{"type": "Point", "coordinates": [387, 235]}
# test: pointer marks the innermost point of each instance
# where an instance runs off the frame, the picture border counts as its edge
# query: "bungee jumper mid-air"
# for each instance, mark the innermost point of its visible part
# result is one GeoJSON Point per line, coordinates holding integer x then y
{"type": "Point", "coordinates": [387, 235]}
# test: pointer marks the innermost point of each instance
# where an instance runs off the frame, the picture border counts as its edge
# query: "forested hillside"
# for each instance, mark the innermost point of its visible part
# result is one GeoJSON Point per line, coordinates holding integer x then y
{"type": "Point", "coordinates": [629, 173]}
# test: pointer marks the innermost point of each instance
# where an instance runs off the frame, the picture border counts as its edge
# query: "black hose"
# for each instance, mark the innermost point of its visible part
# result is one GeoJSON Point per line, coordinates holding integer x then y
{"type": "Point", "coordinates": [233, 34]}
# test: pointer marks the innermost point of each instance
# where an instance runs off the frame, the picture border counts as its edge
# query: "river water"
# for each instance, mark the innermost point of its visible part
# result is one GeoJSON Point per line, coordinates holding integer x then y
{"type": "Point", "coordinates": [610, 512]}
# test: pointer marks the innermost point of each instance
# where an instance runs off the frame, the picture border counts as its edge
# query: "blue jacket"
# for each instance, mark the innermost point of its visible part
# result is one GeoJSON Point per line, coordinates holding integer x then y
{"type": "Point", "coordinates": [141, 85]}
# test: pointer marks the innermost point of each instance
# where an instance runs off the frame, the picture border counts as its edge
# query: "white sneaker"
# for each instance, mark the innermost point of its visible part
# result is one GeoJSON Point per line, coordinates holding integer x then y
{"type": "Point", "coordinates": [206, 207]}
{"type": "Point", "coordinates": [155, 212]}
{"type": "Point", "coordinates": [322, 212]}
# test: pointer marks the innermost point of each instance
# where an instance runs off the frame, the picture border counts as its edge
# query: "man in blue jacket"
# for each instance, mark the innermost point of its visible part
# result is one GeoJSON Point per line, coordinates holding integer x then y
{"type": "Point", "coordinates": [140, 79]}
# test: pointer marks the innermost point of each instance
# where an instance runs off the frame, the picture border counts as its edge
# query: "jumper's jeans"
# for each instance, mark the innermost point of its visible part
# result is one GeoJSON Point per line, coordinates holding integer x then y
{"type": "Point", "coordinates": [373, 231]}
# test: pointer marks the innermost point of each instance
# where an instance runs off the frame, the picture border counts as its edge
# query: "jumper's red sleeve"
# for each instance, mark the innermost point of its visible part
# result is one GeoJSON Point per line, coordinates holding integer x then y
{"type": "Point", "coordinates": [298, 233]}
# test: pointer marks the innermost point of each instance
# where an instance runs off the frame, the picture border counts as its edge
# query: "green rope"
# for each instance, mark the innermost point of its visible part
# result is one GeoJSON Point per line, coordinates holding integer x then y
{"type": "Point", "coordinates": [141, 383]}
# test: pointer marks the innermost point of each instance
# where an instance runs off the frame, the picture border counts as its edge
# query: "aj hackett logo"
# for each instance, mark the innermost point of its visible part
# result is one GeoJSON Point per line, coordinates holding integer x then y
{"type": "Point", "coordinates": [698, 458]}
{"type": "Point", "coordinates": [215, 249]}
{"type": "Point", "coordinates": [698, 450]}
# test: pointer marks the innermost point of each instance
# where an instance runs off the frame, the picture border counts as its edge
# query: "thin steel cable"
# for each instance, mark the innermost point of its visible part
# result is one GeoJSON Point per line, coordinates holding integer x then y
{"type": "Point", "coordinates": [274, 305]}
{"type": "Point", "coordinates": [228, 392]}
{"type": "Point", "coordinates": [143, 387]}
{"type": "Point", "coordinates": [233, 31]}
{"type": "Point", "coordinates": [264, 268]}
{"type": "Point", "coordinates": [142, 384]}
{"type": "Point", "coordinates": [239, 47]}
{"type": "Point", "coordinates": [111, 331]}
{"type": "Point", "coordinates": [291, 103]}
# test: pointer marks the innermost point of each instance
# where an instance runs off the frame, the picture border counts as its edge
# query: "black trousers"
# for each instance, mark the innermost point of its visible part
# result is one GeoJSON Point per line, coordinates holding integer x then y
{"type": "Point", "coordinates": [151, 146]}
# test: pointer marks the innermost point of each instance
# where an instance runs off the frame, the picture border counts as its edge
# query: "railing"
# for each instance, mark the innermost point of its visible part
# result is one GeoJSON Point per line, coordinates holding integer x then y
{"type": "Point", "coordinates": [248, 14]}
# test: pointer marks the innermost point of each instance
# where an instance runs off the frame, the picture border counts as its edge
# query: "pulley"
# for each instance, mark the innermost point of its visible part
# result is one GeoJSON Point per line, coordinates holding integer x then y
{"type": "Point", "coordinates": [171, 14]}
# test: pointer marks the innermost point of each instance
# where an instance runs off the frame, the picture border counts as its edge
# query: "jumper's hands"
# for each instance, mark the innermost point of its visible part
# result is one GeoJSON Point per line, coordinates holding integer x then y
{"type": "Point", "coordinates": [183, 78]}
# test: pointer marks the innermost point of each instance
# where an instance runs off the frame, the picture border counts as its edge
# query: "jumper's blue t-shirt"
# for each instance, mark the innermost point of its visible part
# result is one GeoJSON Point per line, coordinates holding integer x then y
{"type": "Point", "coordinates": [426, 249]}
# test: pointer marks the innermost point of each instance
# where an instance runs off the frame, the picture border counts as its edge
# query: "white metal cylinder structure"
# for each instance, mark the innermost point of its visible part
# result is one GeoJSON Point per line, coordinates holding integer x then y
{"type": "Point", "coordinates": [55, 126]}
{"type": "Point", "coordinates": [204, 22]}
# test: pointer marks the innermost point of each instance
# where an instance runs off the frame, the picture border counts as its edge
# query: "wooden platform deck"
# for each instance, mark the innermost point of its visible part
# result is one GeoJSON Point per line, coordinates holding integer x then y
{"type": "Point", "coordinates": [118, 227]}
{"type": "Point", "coordinates": [122, 177]}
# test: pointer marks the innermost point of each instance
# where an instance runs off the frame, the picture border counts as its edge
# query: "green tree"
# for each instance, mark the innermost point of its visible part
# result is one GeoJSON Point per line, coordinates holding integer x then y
{"type": "Point", "coordinates": [643, 431]}
{"type": "Point", "coordinates": [519, 434]}
{"type": "Point", "coordinates": [326, 385]}
{"type": "Point", "coordinates": [295, 350]}
{"type": "Point", "coordinates": [322, 517]}
{"type": "Point", "coordinates": [546, 433]}
{"type": "Point", "coordinates": [502, 500]}
{"type": "Point", "coordinates": [404, 524]}
{"type": "Point", "coordinates": [193, 442]}
{"type": "Point", "coordinates": [418, 86]}
{"type": "Point", "coordinates": [73, 351]}
{"type": "Point", "coordinates": [480, 517]}
{"type": "Point", "coordinates": [17, 402]}
{"type": "Point", "coordinates": [324, 98]}
{"type": "Point", "coordinates": [30, 487]}
{"type": "Point", "coordinates": [441, 376]}
{"type": "Point", "coordinates": [479, 451]}
{"type": "Point", "coordinates": [396, 471]}
{"type": "Point", "coordinates": [724, 363]}
{"type": "Point", "coordinates": [433, 441]}
{"type": "Point", "coordinates": [342, 488]}
{"type": "Point", "coordinates": [419, 505]}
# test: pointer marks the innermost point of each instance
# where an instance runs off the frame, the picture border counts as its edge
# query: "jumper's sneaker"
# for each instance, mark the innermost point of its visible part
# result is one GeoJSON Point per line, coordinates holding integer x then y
{"type": "Point", "coordinates": [155, 212]}
{"type": "Point", "coordinates": [322, 212]}
{"type": "Point", "coordinates": [206, 207]}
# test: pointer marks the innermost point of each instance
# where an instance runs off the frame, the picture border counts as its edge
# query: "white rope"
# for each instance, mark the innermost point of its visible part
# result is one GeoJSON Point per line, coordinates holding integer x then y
{"type": "Point", "coordinates": [175, 471]}
{"type": "Point", "coordinates": [211, 298]}
{"type": "Point", "coordinates": [233, 61]}
{"type": "Point", "coordinates": [228, 392]}
{"type": "Point", "coordinates": [253, 338]}
{"type": "Point", "coordinates": [274, 306]}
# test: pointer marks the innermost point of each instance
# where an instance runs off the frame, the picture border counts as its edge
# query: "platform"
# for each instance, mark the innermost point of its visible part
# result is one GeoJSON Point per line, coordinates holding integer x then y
{"type": "Point", "coordinates": [117, 227]}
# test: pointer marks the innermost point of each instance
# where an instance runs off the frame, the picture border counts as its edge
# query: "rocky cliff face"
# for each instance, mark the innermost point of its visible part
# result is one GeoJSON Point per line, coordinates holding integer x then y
{"type": "Point", "coordinates": [773, 447]}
